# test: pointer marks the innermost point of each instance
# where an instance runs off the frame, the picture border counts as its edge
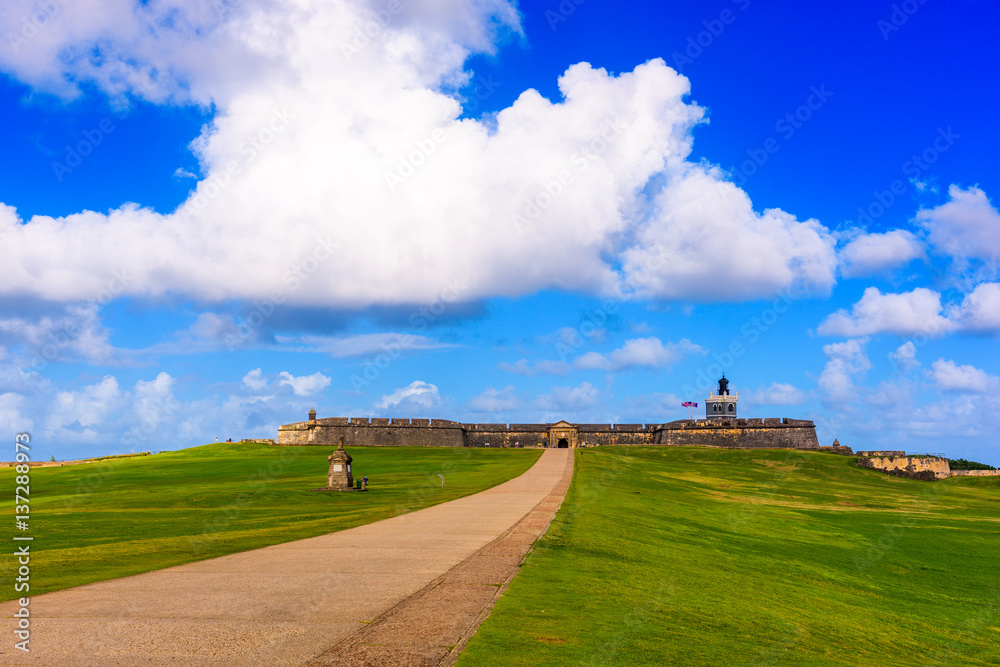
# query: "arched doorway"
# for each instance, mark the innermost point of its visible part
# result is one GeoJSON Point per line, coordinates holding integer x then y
{"type": "Point", "coordinates": [563, 435]}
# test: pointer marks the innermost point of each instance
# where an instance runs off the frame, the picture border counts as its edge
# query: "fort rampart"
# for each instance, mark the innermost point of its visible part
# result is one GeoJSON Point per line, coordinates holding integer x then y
{"type": "Point", "coordinates": [916, 467]}
{"type": "Point", "coordinates": [734, 433]}
{"type": "Point", "coordinates": [759, 433]}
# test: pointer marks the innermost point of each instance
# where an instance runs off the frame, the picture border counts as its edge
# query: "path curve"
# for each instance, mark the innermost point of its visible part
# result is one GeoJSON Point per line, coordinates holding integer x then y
{"type": "Point", "coordinates": [281, 605]}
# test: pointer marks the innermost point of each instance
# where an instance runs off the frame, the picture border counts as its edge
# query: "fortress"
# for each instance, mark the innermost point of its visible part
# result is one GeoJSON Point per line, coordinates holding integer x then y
{"type": "Point", "coordinates": [720, 428]}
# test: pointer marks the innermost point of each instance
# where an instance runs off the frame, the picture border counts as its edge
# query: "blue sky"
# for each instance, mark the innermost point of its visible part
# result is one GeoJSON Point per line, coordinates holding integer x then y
{"type": "Point", "coordinates": [216, 216]}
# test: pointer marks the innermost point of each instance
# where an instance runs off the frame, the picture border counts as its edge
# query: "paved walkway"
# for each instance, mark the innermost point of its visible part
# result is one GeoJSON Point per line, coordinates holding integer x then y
{"type": "Point", "coordinates": [281, 605]}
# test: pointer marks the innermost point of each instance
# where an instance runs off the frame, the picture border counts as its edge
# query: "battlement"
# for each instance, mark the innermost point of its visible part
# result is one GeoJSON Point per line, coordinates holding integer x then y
{"type": "Point", "coordinates": [768, 432]}
{"type": "Point", "coordinates": [750, 422]}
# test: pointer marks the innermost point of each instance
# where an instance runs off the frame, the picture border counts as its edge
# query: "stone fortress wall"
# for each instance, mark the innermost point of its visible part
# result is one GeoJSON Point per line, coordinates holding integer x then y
{"type": "Point", "coordinates": [374, 432]}
{"type": "Point", "coordinates": [898, 464]}
{"type": "Point", "coordinates": [384, 432]}
{"type": "Point", "coordinates": [914, 467]}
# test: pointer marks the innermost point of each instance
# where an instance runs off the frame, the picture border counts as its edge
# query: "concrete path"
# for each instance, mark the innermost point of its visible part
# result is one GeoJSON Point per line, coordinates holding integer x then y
{"type": "Point", "coordinates": [281, 605]}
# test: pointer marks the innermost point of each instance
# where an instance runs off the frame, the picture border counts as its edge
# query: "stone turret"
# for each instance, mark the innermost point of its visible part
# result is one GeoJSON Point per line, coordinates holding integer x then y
{"type": "Point", "coordinates": [339, 476]}
{"type": "Point", "coordinates": [312, 415]}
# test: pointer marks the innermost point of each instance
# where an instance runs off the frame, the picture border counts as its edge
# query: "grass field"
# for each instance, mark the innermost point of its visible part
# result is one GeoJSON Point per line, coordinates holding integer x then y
{"type": "Point", "coordinates": [109, 519]}
{"type": "Point", "coordinates": [687, 556]}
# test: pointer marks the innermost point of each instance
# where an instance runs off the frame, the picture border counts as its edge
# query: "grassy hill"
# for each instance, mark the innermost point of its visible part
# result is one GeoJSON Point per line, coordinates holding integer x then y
{"type": "Point", "coordinates": [118, 517]}
{"type": "Point", "coordinates": [689, 556]}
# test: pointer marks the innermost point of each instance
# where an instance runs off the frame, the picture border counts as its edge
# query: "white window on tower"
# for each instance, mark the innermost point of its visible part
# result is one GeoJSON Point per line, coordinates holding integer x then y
{"type": "Point", "coordinates": [337, 467]}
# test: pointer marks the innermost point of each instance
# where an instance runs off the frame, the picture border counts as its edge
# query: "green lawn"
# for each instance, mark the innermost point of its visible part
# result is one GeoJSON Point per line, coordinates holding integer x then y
{"type": "Point", "coordinates": [109, 519]}
{"type": "Point", "coordinates": [695, 556]}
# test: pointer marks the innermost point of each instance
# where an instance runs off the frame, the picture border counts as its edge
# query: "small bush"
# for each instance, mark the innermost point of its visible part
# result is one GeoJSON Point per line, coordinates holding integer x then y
{"type": "Point", "coordinates": [962, 464]}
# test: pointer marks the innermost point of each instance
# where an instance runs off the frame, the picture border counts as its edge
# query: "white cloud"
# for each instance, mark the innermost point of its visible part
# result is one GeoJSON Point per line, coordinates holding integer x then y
{"type": "Point", "coordinates": [779, 394]}
{"type": "Point", "coordinates": [493, 400]}
{"type": "Point", "coordinates": [871, 254]}
{"type": "Point", "coordinates": [153, 401]}
{"type": "Point", "coordinates": [304, 385]}
{"type": "Point", "coordinates": [655, 408]}
{"type": "Point", "coordinates": [967, 226]}
{"type": "Point", "coordinates": [649, 352]}
{"type": "Point", "coordinates": [328, 126]}
{"type": "Point", "coordinates": [980, 309]}
{"type": "Point", "coordinates": [845, 362]}
{"type": "Point", "coordinates": [74, 333]}
{"type": "Point", "coordinates": [87, 407]}
{"type": "Point", "coordinates": [949, 376]}
{"type": "Point", "coordinates": [569, 399]}
{"type": "Point", "coordinates": [918, 312]}
{"type": "Point", "coordinates": [704, 225]}
{"type": "Point", "coordinates": [209, 332]}
{"type": "Point", "coordinates": [12, 418]}
{"type": "Point", "coordinates": [520, 367]}
{"type": "Point", "coordinates": [358, 345]}
{"type": "Point", "coordinates": [546, 366]}
{"type": "Point", "coordinates": [418, 395]}
{"type": "Point", "coordinates": [906, 314]}
{"type": "Point", "coordinates": [552, 367]}
{"type": "Point", "coordinates": [904, 358]}
{"type": "Point", "coordinates": [255, 380]}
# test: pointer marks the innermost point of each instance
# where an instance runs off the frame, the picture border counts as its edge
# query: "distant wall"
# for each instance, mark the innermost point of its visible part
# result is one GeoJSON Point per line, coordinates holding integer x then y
{"type": "Point", "coordinates": [362, 432]}
{"type": "Point", "coordinates": [617, 434]}
{"type": "Point", "coordinates": [837, 449]}
{"type": "Point", "coordinates": [500, 435]}
{"type": "Point", "coordinates": [915, 467]}
{"type": "Point", "coordinates": [975, 473]}
{"type": "Point", "coordinates": [766, 433]}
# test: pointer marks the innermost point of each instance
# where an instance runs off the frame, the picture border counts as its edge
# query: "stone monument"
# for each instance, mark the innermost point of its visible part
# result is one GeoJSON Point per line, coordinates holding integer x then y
{"type": "Point", "coordinates": [339, 475]}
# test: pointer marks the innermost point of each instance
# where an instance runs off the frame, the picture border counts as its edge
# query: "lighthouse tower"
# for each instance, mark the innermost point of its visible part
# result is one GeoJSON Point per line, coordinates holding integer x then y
{"type": "Point", "coordinates": [721, 406]}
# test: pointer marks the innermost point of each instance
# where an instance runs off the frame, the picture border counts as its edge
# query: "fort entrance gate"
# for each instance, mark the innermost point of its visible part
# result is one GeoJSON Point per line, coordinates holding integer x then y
{"type": "Point", "coordinates": [563, 435]}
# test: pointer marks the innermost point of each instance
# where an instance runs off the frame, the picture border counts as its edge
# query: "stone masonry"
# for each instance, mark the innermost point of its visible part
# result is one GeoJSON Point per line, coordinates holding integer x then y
{"type": "Point", "coordinates": [759, 433]}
